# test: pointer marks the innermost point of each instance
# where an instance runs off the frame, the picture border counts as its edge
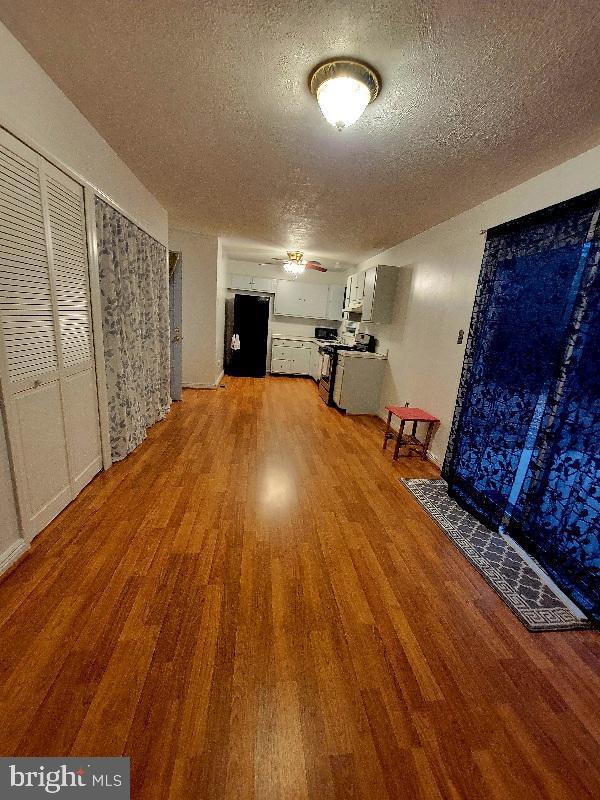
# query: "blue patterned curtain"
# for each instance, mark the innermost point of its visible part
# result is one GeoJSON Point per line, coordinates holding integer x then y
{"type": "Point", "coordinates": [524, 450]}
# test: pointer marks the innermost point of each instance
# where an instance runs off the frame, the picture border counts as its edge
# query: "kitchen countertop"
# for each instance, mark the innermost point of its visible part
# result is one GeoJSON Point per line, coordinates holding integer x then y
{"type": "Point", "coordinates": [361, 354]}
{"type": "Point", "coordinates": [302, 338]}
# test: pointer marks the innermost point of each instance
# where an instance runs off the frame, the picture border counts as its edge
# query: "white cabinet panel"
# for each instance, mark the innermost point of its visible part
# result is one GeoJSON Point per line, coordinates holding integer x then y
{"type": "Point", "coordinates": [291, 356]}
{"type": "Point", "coordinates": [38, 417]}
{"type": "Point", "coordinates": [301, 361]}
{"type": "Point", "coordinates": [263, 285]}
{"type": "Point", "coordinates": [281, 366]}
{"type": "Point", "coordinates": [380, 293]}
{"type": "Point", "coordinates": [250, 283]}
{"type": "Point", "coordinates": [315, 301]}
{"type": "Point", "coordinates": [288, 300]}
{"type": "Point", "coordinates": [242, 282]}
{"type": "Point", "coordinates": [294, 299]}
{"type": "Point", "coordinates": [335, 302]}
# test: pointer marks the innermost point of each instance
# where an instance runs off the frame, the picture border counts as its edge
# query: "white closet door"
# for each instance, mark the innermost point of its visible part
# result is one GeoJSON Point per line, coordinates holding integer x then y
{"type": "Point", "coordinates": [69, 270]}
{"type": "Point", "coordinates": [29, 363]}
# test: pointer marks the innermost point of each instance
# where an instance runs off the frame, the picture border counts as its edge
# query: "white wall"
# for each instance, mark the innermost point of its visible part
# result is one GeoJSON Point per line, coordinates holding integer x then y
{"type": "Point", "coordinates": [438, 278]}
{"type": "Point", "coordinates": [32, 106]}
{"type": "Point", "coordinates": [199, 290]}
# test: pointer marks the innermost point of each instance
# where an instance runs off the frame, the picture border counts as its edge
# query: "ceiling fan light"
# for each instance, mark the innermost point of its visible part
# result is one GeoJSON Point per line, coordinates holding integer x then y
{"type": "Point", "coordinates": [294, 267]}
{"type": "Point", "coordinates": [343, 100]}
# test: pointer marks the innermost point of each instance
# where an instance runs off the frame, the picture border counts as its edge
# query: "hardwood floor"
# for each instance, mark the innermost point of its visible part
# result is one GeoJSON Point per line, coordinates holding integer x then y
{"type": "Point", "coordinates": [252, 606]}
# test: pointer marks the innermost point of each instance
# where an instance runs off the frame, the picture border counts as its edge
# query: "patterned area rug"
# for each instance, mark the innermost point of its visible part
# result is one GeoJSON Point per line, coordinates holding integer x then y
{"type": "Point", "coordinates": [502, 566]}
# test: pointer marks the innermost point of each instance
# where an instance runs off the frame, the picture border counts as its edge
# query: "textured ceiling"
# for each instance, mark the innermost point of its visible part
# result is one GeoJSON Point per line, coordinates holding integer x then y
{"type": "Point", "coordinates": [207, 102]}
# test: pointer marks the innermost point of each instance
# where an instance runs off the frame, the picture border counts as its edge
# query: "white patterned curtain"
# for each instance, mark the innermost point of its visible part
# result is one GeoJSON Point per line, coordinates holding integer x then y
{"type": "Point", "coordinates": [135, 321]}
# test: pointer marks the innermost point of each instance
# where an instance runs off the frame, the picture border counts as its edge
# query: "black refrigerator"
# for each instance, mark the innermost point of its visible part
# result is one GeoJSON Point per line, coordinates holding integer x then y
{"type": "Point", "coordinates": [249, 330]}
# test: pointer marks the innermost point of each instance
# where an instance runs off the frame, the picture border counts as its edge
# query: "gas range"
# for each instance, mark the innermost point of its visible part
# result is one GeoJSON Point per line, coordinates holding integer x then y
{"type": "Point", "coordinates": [329, 358]}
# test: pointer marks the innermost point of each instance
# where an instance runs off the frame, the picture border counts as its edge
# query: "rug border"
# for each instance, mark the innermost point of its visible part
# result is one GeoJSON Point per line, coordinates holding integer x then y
{"type": "Point", "coordinates": [576, 625]}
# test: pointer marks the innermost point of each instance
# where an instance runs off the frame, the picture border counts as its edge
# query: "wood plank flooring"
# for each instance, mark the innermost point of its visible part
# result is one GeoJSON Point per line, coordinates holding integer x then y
{"type": "Point", "coordinates": [252, 607]}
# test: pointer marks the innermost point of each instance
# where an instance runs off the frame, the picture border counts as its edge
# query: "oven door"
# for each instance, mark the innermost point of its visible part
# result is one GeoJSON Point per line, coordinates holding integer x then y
{"type": "Point", "coordinates": [325, 379]}
{"type": "Point", "coordinates": [326, 363]}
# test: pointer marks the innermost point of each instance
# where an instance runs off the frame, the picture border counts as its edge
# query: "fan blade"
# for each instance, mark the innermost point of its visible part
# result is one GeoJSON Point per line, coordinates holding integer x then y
{"type": "Point", "coordinates": [316, 265]}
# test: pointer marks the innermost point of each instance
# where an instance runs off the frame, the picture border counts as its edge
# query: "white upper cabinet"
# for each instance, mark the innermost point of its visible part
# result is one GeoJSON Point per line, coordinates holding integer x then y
{"type": "Point", "coordinates": [355, 287]}
{"type": "Point", "coordinates": [379, 293]}
{"type": "Point", "coordinates": [335, 302]}
{"type": "Point", "coordinates": [250, 283]}
{"type": "Point", "coordinates": [294, 299]}
{"type": "Point", "coordinates": [242, 282]}
{"type": "Point", "coordinates": [263, 285]}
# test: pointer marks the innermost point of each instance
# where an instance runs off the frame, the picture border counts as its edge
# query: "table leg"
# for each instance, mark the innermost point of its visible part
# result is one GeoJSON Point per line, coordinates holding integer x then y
{"type": "Point", "coordinates": [427, 441]}
{"type": "Point", "coordinates": [386, 435]}
{"type": "Point", "coordinates": [399, 441]}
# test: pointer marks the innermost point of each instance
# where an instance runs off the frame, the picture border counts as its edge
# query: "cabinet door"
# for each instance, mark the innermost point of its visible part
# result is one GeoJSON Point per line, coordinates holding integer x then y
{"type": "Point", "coordinates": [315, 301]}
{"type": "Point", "coordinates": [288, 301]}
{"type": "Point", "coordinates": [359, 288]}
{"type": "Point", "coordinates": [369, 294]}
{"type": "Point", "coordinates": [281, 366]}
{"type": "Point", "coordinates": [242, 282]}
{"type": "Point", "coordinates": [301, 360]}
{"type": "Point", "coordinates": [350, 291]}
{"type": "Point", "coordinates": [335, 302]}
{"type": "Point", "coordinates": [263, 285]}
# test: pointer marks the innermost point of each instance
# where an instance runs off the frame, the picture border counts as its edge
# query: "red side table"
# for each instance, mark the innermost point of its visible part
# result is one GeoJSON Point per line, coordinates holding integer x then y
{"type": "Point", "coordinates": [415, 415]}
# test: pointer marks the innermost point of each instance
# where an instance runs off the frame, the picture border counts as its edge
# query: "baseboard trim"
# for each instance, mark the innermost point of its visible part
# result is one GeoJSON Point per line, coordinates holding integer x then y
{"type": "Point", "coordinates": [12, 554]}
{"type": "Point", "coordinates": [200, 385]}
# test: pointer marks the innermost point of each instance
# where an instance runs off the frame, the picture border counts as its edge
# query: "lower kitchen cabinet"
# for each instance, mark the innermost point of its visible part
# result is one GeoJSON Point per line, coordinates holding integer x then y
{"type": "Point", "coordinates": [358, 380]}
{"type": "Point", "coordinates": [291, 357]}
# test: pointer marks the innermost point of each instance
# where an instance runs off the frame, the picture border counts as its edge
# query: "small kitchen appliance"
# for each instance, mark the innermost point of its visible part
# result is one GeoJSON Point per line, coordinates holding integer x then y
{"type": "Point", "coordinates": [326, 333]}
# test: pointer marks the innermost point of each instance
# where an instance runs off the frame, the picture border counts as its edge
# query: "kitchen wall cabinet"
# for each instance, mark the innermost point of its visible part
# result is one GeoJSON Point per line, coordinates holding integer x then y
{"type": "Point", "coordinates": [379, 293]}
{"type": "Point", "coordinates": [355, 286]}
{"type": "Point", "coordinates": [294, 299]}
{"type": "Point", "coordinates": [250, 283]}
{"type": "Point", "coordinates": [335, 302]}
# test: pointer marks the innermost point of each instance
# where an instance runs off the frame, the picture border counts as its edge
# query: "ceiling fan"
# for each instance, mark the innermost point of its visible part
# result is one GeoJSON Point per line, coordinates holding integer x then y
{"type": "Point", "coordinates": [296, 264]}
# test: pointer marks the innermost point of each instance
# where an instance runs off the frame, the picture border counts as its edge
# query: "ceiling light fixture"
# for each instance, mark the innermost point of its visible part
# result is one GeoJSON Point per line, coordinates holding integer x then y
{"type": "Point", "coordinates": [295, 264]}
{"type": "Point", "coordinates": [344, 87]}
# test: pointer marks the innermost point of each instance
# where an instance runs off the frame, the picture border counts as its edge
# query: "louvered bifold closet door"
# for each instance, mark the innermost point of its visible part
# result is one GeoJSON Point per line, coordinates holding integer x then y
{"type": "Point", "coordinates": [29, 355]}
{"type": "Point", "coordinates": [69, 270]}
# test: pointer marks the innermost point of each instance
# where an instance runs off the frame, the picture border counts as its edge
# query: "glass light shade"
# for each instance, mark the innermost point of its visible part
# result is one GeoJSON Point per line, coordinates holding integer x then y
{"type": "Point", "coordinates": [294, 267]}
{"type": "Point", "coordinates": [342, 100]}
